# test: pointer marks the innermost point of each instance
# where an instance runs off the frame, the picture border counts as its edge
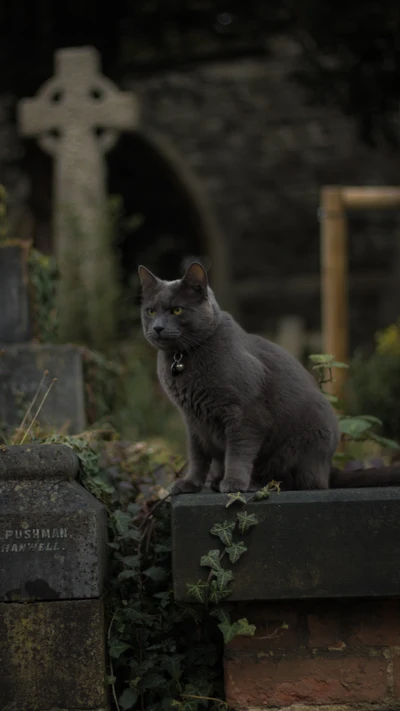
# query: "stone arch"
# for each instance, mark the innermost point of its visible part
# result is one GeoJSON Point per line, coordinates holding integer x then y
{"type": "Point", "coordinates": [204, 236]}
{"type": "Point", "coordinates": [142, 156]}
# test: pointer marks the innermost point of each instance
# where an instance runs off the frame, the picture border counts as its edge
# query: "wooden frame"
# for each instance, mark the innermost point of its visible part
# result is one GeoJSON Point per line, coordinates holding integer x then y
{"type": "Point", "coordinates": [335, 201]}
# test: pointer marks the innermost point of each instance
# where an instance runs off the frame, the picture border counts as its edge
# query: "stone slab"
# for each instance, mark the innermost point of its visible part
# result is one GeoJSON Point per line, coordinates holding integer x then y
{"type": "Point", "coordinates": [52, 656]}
{"type": "Point", "coordinates": [15, 314]}
{"type": "Point", "coordinates": [309, 544]}
{"type": "Point", "coordinates": [38, 461]}
{"type": "Point", "coordinates": [21, 371]}
{"type": "Point", "coordinates": [53, 535]}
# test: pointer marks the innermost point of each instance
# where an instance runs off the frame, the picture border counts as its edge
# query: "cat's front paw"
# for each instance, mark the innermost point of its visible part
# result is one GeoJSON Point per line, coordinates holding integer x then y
{"type": "Point", "coordinates": [230, 485]}
{"type": "Point", "coordinates": [185, 486]}
{"type": "Point", "coordinates": [212, 485]}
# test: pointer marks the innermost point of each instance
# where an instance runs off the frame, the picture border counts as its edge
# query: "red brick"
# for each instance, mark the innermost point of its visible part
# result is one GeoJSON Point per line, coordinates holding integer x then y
{"type": "Point", "coordinates": [324, 630]}
{"type": "Point", "coordinates": [375, 624]}
{"type": "Point", "coordinates": [314, 681]}
{"type": "Point", "coordinates": [396, 677]}
{"type": "Point", "coordinates": [354, 623]}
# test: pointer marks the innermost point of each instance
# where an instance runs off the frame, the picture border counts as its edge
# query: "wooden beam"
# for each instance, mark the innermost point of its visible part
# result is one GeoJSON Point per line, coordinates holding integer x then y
{"type": "Point", "coordinates": [334, 286]}
{"type": "Point", "coordinates": [370, 198]}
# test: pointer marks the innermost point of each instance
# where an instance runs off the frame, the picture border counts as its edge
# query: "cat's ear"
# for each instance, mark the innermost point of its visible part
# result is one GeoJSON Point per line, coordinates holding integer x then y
{"type": "Point", "coordinates": [147, 279]}
{"type": "Point", "coordinates": [196, 277]}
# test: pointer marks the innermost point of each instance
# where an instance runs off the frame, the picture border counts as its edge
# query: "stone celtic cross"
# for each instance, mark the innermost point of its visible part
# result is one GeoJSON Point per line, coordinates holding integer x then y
{"type": "Point", "coordinates": [76, 117]}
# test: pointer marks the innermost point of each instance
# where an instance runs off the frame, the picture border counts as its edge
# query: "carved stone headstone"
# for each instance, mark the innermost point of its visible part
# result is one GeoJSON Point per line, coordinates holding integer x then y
{"type": "Point", "coordinates": [15, 311]}
{"type": "Point", "coordinates": [23, 363]}
{"type": "Point", "coordinates": [21, 373]}
{"type": "Point", "coordinates": [76, 117]}
{"type": "Point", "coordinates": [53, 552]}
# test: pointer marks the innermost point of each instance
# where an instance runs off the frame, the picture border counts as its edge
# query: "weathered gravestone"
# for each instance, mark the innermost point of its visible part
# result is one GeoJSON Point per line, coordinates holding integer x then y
{"type": "Point", "coordinates": [76, 117]}
{"type": "Point", "coordinates": [53, 551]}
{"type": "Point", "coordinates": [23, 364]}
{"type": "Point", "coordinates": [21, 374]}
{"type": "Point", "coordinates": [15, 318]}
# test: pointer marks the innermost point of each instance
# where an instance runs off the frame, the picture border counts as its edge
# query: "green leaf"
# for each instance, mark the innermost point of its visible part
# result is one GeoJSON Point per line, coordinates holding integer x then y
{"type": "Point", "coordinates": [232, 498]}
{"type": "Point", "coordinates": [244, 628]}
{"type": "Point", "coordinates": [153, 681]}
{"type": "Point", "coordinates": [354, 427]}
{"type": "Point", "coordinates": [333, 399]}
{"type": "Point", "coordinates": [131, 560]}
{"type": "Point", "coordinates": [211, 560]}
{"type": "Point", "coordinates": [133, 535]}
{"type": "Point", "coordinates": [235, 551]}
{"type": "Point", "coordinates": [128, 699]}
{"type": "Point", "coordinates": [174, 666]}
{"type": "Point", "coordinates": [338, 364]}
{"type": "Point", "coordinates": [117, 648]}
{"type": "Point", "coordinates": [224, 531]}
{"type": "Point", "coordinates": [241, 627]}
{"type": "Point", "coordinates": [102, 485]}
{"type": "Point", "coordinates": [127, 574]}
{"type": "Point", "coordinates": [263, 493]}
{"type": "Point", "coordinates": [272, 486]}
{"type": "Point", "coordinates": [343, 456]}
{"type": "Point", "coordinates": [220, 614]}
{"type": "Point", "coordinates": [162, 548]}
{"type": "Point", "coordinates": [322, 358]}
{"type": "Point", "coordinates": [372, 420]}
{"type": "Point", "coordinates": [228, 631]}
{"type": "Point", "coordinates": [383, 441]}
{"type": "Point", "coordinates": [122, 521]}
{"type": "Point", "coordinates": [111, 679]}
{"type": "Point", "coordinates": [155, 573]}
{"type": "Point", "coordinates": [133, 509]}
{"type": "Point", "coordinates": [198, 590]}
{"type": "Point", "coordinates": [223, 578]}
{"type": "Point", "coordinates": [216, 594]}
{"type": "Point", "coordinates": [246, 521]}
{"type": "Point", "coordinates": [190, 705]}
{"type": "Point", "coordinates": [139, 616]}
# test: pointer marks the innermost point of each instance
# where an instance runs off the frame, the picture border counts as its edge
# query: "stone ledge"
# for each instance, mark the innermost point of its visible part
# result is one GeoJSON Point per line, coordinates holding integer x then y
{"type": "Point", "coordinates": [308, 544]}
{"type": "Point", "coordinates": [31, 461]}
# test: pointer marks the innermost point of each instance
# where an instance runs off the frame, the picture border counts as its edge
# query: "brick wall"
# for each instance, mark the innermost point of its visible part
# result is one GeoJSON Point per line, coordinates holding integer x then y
{"type": "Point", "coordinates": [334, 655]}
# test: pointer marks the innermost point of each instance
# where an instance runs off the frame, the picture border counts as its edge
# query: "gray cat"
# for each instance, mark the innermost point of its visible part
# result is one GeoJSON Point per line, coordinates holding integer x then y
{"type": "Point", "coordinates": [253, 413]}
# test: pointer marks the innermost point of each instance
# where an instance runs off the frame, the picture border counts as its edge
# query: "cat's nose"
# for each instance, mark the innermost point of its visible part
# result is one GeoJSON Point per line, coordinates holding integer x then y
{"type": "Point", "coordinates": [158, 329]}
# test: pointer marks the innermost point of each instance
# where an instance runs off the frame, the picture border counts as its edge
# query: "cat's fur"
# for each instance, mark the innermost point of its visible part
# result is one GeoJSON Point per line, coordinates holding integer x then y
{"type": "Point", "coordinates": [253, 413]}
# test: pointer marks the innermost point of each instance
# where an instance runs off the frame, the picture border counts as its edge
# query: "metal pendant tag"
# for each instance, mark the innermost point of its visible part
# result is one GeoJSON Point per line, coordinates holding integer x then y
{"type": "Point", "coordinates": [177, 365]}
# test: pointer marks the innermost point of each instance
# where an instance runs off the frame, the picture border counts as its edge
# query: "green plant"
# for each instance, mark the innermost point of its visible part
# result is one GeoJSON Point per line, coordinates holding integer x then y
{"type": "Point", "coordinates": [103, 384]}
{"type": "Point", "coordinates": [141, 410]}
{"type": "Point", "coordinates": [374, 382]}
{"type": "Point", "coordinates": [216, 587]}
{"type": "Point", "coordinates": [162, 654]}
{"type": "Point", "coordinates": [353, 428]}
{"type": "Point", "coordinates": [43, 275]}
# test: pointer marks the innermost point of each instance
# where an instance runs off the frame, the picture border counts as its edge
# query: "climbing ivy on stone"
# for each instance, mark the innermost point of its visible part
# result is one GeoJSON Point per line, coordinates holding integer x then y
{"type": "Point", "coordinates": [218, 585]}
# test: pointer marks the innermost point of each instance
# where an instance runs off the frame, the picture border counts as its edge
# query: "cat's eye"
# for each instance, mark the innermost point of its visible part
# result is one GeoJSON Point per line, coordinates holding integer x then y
{"type": "Point", "coordinates": [177, 310]}
{"type": "Point", "coordinates": [151, 312]}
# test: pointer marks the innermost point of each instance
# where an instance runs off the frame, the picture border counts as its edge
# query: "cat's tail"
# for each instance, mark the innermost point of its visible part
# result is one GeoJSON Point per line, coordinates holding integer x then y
{"type": "Point", "coordinates": [381, 476]}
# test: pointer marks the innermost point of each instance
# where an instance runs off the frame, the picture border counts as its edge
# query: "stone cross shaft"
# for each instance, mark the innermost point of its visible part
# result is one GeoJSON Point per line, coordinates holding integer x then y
{"type": "Point", "coordinates": [76, 117]}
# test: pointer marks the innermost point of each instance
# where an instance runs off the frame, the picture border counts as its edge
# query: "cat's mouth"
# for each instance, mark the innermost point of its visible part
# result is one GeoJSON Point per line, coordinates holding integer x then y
{"type": "Point", "coordinates": [164, 342]}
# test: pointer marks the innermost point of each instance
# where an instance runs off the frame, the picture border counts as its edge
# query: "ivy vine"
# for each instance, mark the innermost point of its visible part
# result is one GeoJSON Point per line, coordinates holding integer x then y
{"type": "Point", "coordinates": [218, 585]}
